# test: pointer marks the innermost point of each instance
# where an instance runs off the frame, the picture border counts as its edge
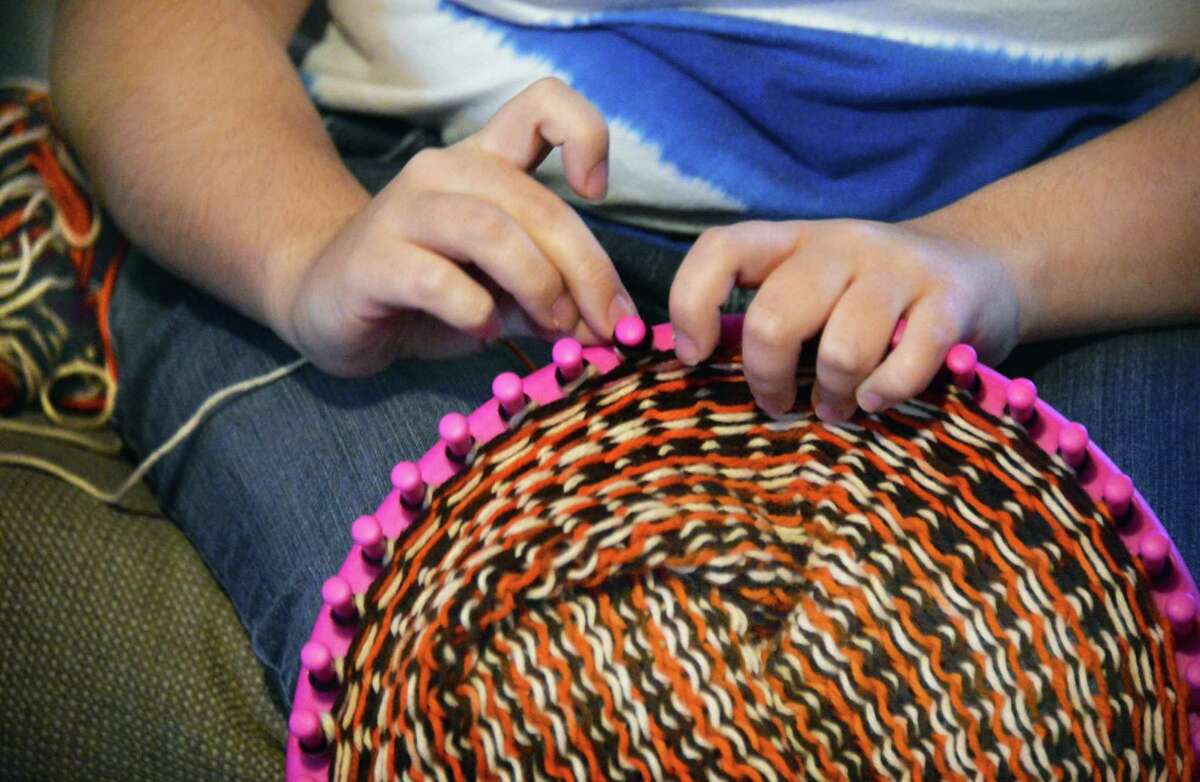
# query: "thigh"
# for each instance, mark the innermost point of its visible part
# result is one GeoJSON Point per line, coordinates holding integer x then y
{"type": "Point", "coordinates": [1139, 396]}
{"type": "Point", "coordinates": [266, 489]}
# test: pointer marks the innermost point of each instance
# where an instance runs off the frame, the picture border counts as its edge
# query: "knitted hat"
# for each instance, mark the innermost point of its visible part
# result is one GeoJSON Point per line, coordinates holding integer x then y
{"type": "Point", "coordinates": [650, 579]}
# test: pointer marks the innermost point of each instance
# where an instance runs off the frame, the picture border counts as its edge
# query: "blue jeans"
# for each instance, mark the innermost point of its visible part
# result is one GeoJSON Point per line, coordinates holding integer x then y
{"type": "Point", "coordinates": [267, 488]}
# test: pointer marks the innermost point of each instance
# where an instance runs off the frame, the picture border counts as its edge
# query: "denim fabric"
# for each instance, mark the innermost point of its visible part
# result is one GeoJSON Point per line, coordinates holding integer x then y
{"type": "Point", "coordinates": [1137, 393]}
{"type": "Point", "coordinates": [267, 488]}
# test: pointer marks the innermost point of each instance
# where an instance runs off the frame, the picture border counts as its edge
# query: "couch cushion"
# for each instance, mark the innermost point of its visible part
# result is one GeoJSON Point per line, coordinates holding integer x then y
{"type": "Point", "coordinates": [120, 657]}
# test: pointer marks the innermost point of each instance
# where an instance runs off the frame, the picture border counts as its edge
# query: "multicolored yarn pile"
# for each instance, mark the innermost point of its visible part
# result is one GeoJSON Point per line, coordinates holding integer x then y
{"type": "Point", "coordinates": [649, 579]}
{"type": "Point", "coordinates": [55, 283]}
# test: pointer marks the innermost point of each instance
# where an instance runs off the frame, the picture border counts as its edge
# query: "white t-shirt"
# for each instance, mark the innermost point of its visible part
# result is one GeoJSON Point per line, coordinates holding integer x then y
{"type": "Point", "coordinates": [720, 111]}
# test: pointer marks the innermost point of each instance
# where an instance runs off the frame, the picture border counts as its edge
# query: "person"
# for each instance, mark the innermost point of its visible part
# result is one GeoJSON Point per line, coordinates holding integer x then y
{"type": "Point", "coordinates": [995, 173]}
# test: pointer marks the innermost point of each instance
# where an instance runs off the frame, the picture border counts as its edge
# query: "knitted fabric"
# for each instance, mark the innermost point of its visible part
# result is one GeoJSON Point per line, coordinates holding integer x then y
{"type": "Point", "coordinates": [650, 579]}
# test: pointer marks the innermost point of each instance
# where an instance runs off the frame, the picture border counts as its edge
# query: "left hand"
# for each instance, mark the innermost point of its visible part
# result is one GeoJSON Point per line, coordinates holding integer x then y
{"type": "Point", "coordinates": [854, 279]}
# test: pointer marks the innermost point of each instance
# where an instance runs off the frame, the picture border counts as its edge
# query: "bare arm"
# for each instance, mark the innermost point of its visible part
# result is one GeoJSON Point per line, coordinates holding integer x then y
{"type": "Point", "coordinates": [193, 123]}
{"type": "Point", "coordinates": [1104, 237]}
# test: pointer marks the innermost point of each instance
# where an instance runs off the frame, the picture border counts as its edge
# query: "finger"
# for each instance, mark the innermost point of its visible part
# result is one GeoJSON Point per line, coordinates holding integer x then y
{"type": "Point", "coordinates": [931, 331]}
{"type": "Point", "coordinates": [418, 279]}
{"type": "Point", "coordinates": [789, 309]}
{"type": "Point", "coordinates": [855, 339]}
{"type": "Point", "coordinates": [565, 239]}
{"type": "Point", "coordinates": [468, 228]}
{"type": "Point", "coordinates": [421, 335]}
{"type": "Point", "coordinates": [545, 115]}
{"type": "Point", "coordinates": [742, 254]}
{"type": "Point", "coordinates": [557, 230]}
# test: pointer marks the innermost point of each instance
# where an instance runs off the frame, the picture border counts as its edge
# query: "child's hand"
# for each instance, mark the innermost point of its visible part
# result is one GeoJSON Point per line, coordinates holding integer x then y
{"type": "Point", "coordinates": [460, 233]}
{"type": "Point", "coordinates": [855, 279]}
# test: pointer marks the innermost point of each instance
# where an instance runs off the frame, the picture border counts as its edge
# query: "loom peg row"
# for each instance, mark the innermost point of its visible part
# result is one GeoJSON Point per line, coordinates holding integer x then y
{"type": "Point", "coordinates": [1118, 495]}
{"type": "Point", "coordinates": [631, 333]}
{"type": "Point", "coordinates": [305, 725]}
{"type": "Point", "coordinates": [1191, 677]}
{"type": "Point", "coordinates": [339, 597]}
{"type": "Point", "coordinates": [1155, 553]}
{"type": "Point", "coordinates": [567, 355]}
{"type": "Point", "coordinates": [316, 658]}
{"type": "Point", "coordinates": [367, 532]}
{"type": "Point", "coordinates": [1021, 397]}
{"type": "Point", "coordinates": [509, 392]}
{"type": "Point", "coordinates": [962, 360]}
{"type": "Point", "coordinates": [456, 431]}
{"type": "Point", "coordinates": [406, 479]}
{"type": "Point", "coordinates": [1181, 613]}
{"type": "Point", "coordinates": [1073, 443]}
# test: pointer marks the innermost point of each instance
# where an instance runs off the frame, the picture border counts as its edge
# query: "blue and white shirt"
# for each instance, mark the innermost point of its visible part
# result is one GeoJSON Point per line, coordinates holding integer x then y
{"type": "Point", "coordinates": [721, 111]}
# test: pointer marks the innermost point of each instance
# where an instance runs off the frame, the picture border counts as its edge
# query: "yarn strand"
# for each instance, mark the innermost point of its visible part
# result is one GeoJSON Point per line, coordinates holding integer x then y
{"type": "Point", "coordinates": [115, 496]}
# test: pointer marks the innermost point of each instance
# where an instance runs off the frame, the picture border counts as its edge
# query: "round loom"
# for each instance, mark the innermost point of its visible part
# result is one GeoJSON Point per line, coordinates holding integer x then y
{"type": "Point", "coordinates": [308, 757]}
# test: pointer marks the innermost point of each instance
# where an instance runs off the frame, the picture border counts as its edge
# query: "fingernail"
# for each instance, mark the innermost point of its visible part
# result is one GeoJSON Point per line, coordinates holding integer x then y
{"type": "Point", "coordinates": [564, 313]}
{"type": "Point", "coordinates": [870, 401]}
{"type": "Point", "coordinates": [686, 349]}
{"type": "Point", "coordinates": [596, 185]}
{"type": "Point", "coordinates": [620, 307]}
{"type": "Point", "coordinates": [771, 409]}
{"type": "Point", "coordinates": [495, 328]}
{"type": "Point", "coordinates": [828, 413]}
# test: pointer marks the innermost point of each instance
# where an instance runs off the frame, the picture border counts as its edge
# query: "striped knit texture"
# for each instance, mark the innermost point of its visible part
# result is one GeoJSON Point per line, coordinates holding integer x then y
{"type": "Point", "coordinates": [650, 579]}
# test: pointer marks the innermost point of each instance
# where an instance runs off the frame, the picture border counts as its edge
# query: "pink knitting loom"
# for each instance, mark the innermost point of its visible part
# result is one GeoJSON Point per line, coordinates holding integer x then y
{"type": "Point", "coordinates": [1174, 590]}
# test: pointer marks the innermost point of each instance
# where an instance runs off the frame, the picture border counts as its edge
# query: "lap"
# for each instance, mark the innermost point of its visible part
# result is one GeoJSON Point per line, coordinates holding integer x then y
{"type": "Point", "coordinates": [267, 488]}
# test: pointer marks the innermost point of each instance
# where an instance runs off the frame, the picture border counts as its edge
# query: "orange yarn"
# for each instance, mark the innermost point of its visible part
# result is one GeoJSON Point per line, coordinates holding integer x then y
{"type": "Point", "coordinates": [77, 214]}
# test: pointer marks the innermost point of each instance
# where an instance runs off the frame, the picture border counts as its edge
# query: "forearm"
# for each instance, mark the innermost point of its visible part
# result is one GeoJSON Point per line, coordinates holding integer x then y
{"type": "Point", "coordinates": [201, 141]}
{"type": "Point", "coordinates": [1104, 237]}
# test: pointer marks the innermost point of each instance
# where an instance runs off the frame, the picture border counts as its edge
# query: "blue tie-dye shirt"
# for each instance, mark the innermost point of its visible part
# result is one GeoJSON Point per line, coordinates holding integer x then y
{"type": "Point", "coordinates": [723, 111]}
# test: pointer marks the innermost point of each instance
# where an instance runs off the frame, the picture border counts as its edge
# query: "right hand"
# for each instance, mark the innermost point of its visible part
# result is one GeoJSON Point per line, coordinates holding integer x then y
{"type": "Point", "coordinates": [459, 238]}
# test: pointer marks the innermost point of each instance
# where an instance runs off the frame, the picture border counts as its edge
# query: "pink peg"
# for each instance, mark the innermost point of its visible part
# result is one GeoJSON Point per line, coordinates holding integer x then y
{"type": "Point", "coordinates": [508, 390]}
{"type": "Point", "coordinates": [631, 333]}
{"type": "Point", "coordinates": [316, 658]}
{"type": "Point", "coordinates": [1073, 443]}
{"type": "Point", "coordinates": [1191, 677]}
{"type": "Point", "coordinates": [406, 478]}
{"type": "Point", "coordinates": [1181, 613]}
{"type": "Point", "coordinates": [305, 725]}
{"type": "Point", "coordinates": [961, 361]}
{"type": "Point", "coordinates": [1118, 493]}
{"type": "Point", "coordinates": [1155, 552]}
{"type": "Point", "coordinates": [338, 595]}
{"type": "Point", "coordinates": [567, 354]}
{"type": "Point", "coordinates": [367, 532]}
{"type": "Point", "coordinates": [455, 430]}
{"type": "Point", "coordinates": [898, 333]}
{"type": "Point", "coordinates": [1021, 397]}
